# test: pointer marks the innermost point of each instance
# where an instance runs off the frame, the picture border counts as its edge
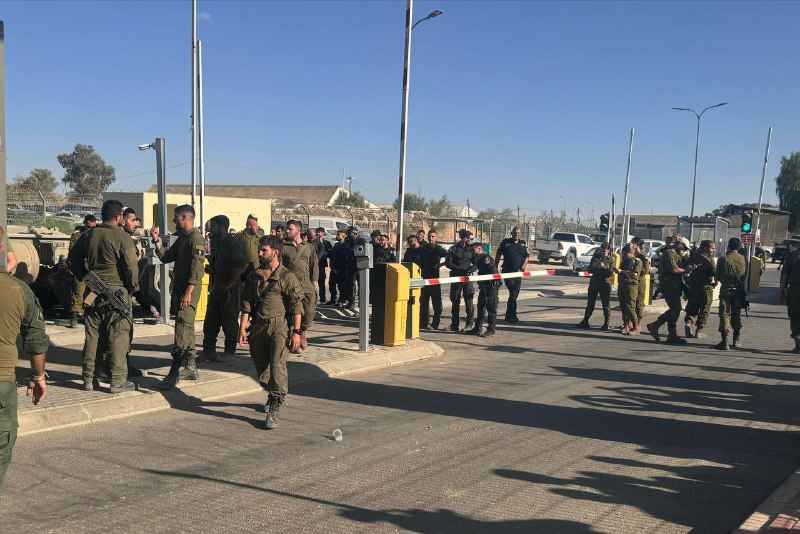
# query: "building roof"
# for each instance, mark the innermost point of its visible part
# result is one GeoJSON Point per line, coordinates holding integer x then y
{"type": "Point", "coordinates": [295, 194]}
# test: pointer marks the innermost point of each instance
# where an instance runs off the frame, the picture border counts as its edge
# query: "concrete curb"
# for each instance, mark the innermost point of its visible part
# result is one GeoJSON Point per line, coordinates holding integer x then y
{"type": "Point", "coordinates": [86, 408]}
{"type": "Point", "coordinates": [768, 513]}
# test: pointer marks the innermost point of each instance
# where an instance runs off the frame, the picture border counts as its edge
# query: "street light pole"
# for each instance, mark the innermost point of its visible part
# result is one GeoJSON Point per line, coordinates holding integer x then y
{"type": "Point", "coordinates": [696, 152]}
{"type": "Point", "coordinates": [404, 121]}
{"type": "Point", "coordinates": [591, 212]}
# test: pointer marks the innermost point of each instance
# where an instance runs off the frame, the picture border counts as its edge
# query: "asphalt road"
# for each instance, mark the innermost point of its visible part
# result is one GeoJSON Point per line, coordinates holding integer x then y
{"type": "Point", "coordinates": [540, 429]}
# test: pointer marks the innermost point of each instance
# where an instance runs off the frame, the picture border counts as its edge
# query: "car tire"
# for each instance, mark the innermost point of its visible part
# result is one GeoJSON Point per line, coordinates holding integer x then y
{"type": "Point", "coordinates": [544, 259]}
{"type": "Point", "coordinates": [569, 259]}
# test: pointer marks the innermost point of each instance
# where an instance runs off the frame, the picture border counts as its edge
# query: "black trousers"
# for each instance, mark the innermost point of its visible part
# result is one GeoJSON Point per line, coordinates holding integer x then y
{"type": "Point", "coordinates": [321, 282]}
{"type": "Point", "coordinates": [487, 304]}
{"type": "Point", "coordinates": [598, 287]}
{"type": "Point", "coordinates": [514, 285]}
{"type": "Point", "coordinates": [430, 293]}
{"type": "Point", "coordinates": [467, 291]}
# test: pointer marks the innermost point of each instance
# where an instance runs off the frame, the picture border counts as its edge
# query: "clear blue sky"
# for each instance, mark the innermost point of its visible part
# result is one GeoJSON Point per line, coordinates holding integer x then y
{"type": "Point", "coordinates": [512, 102]}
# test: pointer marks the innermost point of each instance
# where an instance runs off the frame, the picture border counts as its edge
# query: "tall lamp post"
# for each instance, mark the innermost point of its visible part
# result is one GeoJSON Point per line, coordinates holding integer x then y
{"type": "Point", "coordinates": [696, 150]}
{"type": "Point", "coordinates": [591, 213]}
{"type": "Point", "coordinates": [404, 121]}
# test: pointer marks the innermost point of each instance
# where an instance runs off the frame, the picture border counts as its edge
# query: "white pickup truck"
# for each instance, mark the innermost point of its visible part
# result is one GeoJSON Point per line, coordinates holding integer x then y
{"type": "Point", "coordinates": [564, 246]}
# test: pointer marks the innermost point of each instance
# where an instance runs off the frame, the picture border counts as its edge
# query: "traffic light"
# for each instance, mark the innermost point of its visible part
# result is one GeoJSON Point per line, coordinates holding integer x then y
{"type": "Point", "coordinates": [604, 218]}
{"type": "Point", "coordinates": [747, 222]}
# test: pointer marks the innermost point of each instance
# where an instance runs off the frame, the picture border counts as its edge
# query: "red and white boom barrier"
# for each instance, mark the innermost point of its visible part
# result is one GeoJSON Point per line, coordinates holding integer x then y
{"type": "Point", "coordinates": [422, 282]}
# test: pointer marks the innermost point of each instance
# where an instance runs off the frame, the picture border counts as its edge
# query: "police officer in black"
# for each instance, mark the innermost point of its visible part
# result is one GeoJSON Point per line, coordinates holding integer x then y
{"type": "Point", "coordinates": [460, 259]}
{"type": "Point", "coordinates": [338, 260]}
{"type": "Point", "coordinates": [413, 253]}
{"type": "Point", "coordinates": [430, 262]}
{"type": "Point", "coordinates": [514, 251]}
{"type": "Point", "coordinates": [487, 296]}
{"type": "Point", "coordinates": [381, 253]}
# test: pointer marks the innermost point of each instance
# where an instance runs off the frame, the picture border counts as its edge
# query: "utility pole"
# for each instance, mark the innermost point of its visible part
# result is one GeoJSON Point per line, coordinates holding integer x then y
{"type": "Point", "coordinates": [3, 200]}
{"type": "Point", "coordinates": [194, 103]}
{"type": "Point", "coordinates": [517, 213]}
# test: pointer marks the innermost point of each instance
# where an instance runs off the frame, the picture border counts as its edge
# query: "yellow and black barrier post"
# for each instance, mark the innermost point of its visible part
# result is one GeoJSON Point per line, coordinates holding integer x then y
{"type": "Point", "coordinates": [412, 310]}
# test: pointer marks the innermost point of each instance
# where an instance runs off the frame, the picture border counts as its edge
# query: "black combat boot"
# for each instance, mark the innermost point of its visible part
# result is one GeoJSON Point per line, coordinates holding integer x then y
{"type": "Point", "coordinates": [605, 327]}
{"type": "Point", "coordinates": [737, 339]}
{"type": "Point", "coordinates": [653, 329]}
{"type": "Point", "coordinates": [189, 369]}
{"type": "Point", "coordinates": [475, 330]}
{"type": "Point", "coordinates": [122, 388]}
{"type": "Point", "coordinates": [584, 325]}
{"type": "Point", "coordinates": [490, 331]}
{"type": "Point", "coordinates": [274, 404]}
{"type": "Point", "coordinates": [73, 320]}
{"type": "Point", "coordinates": [723, 345]}
{"type": "Point", "coordinates": [687, 329]}
{"type": "Point", "coordinates": [796, 348]}
{"type": "Point", "coordinates": [173, 377]}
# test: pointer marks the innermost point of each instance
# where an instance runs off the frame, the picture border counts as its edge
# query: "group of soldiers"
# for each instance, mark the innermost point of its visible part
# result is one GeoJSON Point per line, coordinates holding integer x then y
{"type": "Point", "coordinates": [682, 270]}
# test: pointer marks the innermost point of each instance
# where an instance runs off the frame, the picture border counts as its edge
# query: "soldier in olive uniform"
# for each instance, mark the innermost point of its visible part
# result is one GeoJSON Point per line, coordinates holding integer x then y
{"type": "Point", "coordinates": [601, 267]}
{"type": "Point", "coordinates": [225, 267]}
{"type": "Point", "coordinates": [109, 252]}
{"type": "Point", "coordinates": [487, 296]}
{"type": "Point", "coordinates": [430, 263]}
{"type": "Point", "coordinates": [21, 317]}
{"type": "Point", "coordinates": [790, 293]}
{"type": "Point", "coordinates": [642, 293]}
{"type": "Point", "coordinates": [272, 294]}
{"type": "Point", "coordinates": [78, 287]}
{"type": "Point", "coordinates": [189, 254]}
{"type": "Point", "coordinates": [630, 269]}
{"type": "Point", "coordinates": [460, 259]}
{"type": "Point", "coordinates": [702, 272]}
{"type": "Point", "coordinates": [670, 280]}
{"type": "Point", "coordinates": [730, 273]}
{"type": "Point", "coordinates": [248, 240]}
{"type": "Point", "coordinates": [514, 252]}
{"type": "Point", "coordinates": [300, 258]}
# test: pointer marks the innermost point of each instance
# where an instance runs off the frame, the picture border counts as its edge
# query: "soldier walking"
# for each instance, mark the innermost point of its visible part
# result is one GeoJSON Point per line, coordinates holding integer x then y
{"type": "Point", "coordinates": [78, 287]}
{"type": "Point", "coordinates": [601, 267]}
{"type": "Point", "coordinates": [514, 252]}
{"type": "Point", "coordinates": [301, 259]}
{"type": "Point", "coordinates": [487, 296]}
{"type": "Point", "coordinates": [641, 294]}
{"type": "Point", "coordinates": [790, 293]}
{"type": "Point", "coordinates": [670, 279]}
{"type": "Point", "coordinates": [108, 252]}
{"type": "Point", "coordinates": [188, 253]}
{"type": "Point", "coordinates": [630, 269]}
{"type": "Point", "coordinates": [225, 267]}
{"type": "Point", "coordinates": [702, 271]}
{"type": "Point", "coordinates": [460, 259]}
{"type": "Point", "coordinates": [271, 295]}
{"type": "Point", "coordinates": [730, 273]}
{"type": "Point", "coordinates": [21, 317]}
{"type": "Point", "coordinates": [430, 262]}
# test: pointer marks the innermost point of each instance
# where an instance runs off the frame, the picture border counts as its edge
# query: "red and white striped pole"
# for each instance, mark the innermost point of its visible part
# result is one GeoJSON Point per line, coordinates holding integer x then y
{"type": "Point", "coordinates": [403, 130]}
{"type": "Point", "coordinates": [422, 282]}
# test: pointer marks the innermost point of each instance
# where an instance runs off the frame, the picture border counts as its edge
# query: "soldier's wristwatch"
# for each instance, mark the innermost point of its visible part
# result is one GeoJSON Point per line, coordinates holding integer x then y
{"type": "Point", "coordinates": [297, 331]}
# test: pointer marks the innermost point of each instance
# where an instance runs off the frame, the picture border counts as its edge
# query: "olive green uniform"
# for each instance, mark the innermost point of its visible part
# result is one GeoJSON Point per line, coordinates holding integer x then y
{"type": "Point", "coordinates": [701, 290]}
{"type": "Point", "coordinates": [602, 270]}
{"type": "Point", "coordinates": [642, 292]}
{"type": "Point", "coordinates": [188, 253]}
{"type": "Point", "coordinates": [78, 287]}
{"type": "Point", "coordinates": [730, 274]}
{"type": "Point", "coordinates": [628, 289]}
{"type": "Point", "coordinates": [270, 302]}
{"type": "Point", "coordinates": [21, 316]}
{"type": "Point", "coordinates": [302, 261]}
{"type": "Point", "coordinates": [223, 304]}
{"type": "Point", "coordinates": [791, 273]}
{"type": "Point", "coordinates": [669, 284]}
{"type": "Point", "coordinates": [110, 253]}
{"type": "Point", "coordinates": [248, 241]}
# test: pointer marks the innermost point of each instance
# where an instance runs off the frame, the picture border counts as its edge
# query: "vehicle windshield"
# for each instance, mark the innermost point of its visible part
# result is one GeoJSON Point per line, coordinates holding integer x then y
{"type": "Point", "coordinates": [563, 237]}
{"type": "Point", "coordinates": [341, 226]}
{"type": "Point", "coordinates": [592, 251]}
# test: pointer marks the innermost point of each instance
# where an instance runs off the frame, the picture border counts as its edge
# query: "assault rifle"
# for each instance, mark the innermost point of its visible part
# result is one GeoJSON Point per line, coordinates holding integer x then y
{"type": "Point", "coordinates": [114, 300]}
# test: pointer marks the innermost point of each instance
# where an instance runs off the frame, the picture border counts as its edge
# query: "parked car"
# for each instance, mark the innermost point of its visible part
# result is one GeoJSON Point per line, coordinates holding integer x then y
{"type": "Point", "coordinates": [780, 249]}
{"type": "Point", "coordinates": [331, 225]}
{"type": "Point", "coordinates": [564, 246]}
{"type": "Point", "coordinates": [582, 261]}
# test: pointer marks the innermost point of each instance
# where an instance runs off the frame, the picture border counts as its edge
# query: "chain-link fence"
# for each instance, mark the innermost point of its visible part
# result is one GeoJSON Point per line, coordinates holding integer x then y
{"type": "Point", "coordinates": [35, 209]}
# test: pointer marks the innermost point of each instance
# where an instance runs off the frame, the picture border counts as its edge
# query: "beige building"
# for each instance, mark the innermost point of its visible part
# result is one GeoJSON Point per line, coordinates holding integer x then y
{"type": "Point", "coordinates": [237, 209]}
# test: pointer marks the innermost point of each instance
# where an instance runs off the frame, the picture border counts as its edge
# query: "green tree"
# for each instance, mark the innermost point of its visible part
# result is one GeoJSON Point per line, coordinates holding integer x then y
{"type": "Point", "coordinates": [506, 214]}
{"type": "Point", "coordinates": [86, 172]}
{"type": "Point", "coordinates": [440, 208]}
{"type": "Point", "coordinates": [787, 186]}
{"type": "Point", "coordinates": [412, 202]}
{"type": "Point", "coordinates": [38, 181]}
{"type": "Point", "coordinates": [356, 200]}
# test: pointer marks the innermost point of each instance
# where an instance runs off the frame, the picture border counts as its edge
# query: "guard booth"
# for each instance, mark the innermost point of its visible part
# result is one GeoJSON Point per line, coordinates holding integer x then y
{"type": "Point", "coordinates": [395, 306]}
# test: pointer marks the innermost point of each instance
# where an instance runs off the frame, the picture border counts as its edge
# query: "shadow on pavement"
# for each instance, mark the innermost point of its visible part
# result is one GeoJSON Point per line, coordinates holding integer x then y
{"type": "Point", "coordinates": [412, 519]}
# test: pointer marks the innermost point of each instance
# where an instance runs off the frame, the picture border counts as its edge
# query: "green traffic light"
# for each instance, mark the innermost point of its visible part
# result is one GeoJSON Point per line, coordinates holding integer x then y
{"type": "Point", "coordinates": [745, 227]}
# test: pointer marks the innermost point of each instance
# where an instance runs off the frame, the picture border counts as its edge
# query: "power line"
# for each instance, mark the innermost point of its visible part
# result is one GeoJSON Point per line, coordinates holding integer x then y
{"type": "Point", "coordinates": [265, 171]}
{"type": "Point", "coordinates": [153, 171]}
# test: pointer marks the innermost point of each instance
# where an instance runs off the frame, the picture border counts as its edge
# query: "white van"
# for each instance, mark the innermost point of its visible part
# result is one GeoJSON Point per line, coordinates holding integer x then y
{"type": "Point", "coordinates": [330, 224]}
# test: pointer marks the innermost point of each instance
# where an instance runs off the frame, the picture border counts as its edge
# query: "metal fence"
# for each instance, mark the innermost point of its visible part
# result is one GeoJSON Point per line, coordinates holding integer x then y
{"type": "Point", "coordinates": [27, 209]}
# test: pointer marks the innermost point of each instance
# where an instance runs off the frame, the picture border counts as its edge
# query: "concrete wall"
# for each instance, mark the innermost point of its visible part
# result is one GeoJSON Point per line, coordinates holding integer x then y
{"type": "Point", "coordinates": [237, 209]}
